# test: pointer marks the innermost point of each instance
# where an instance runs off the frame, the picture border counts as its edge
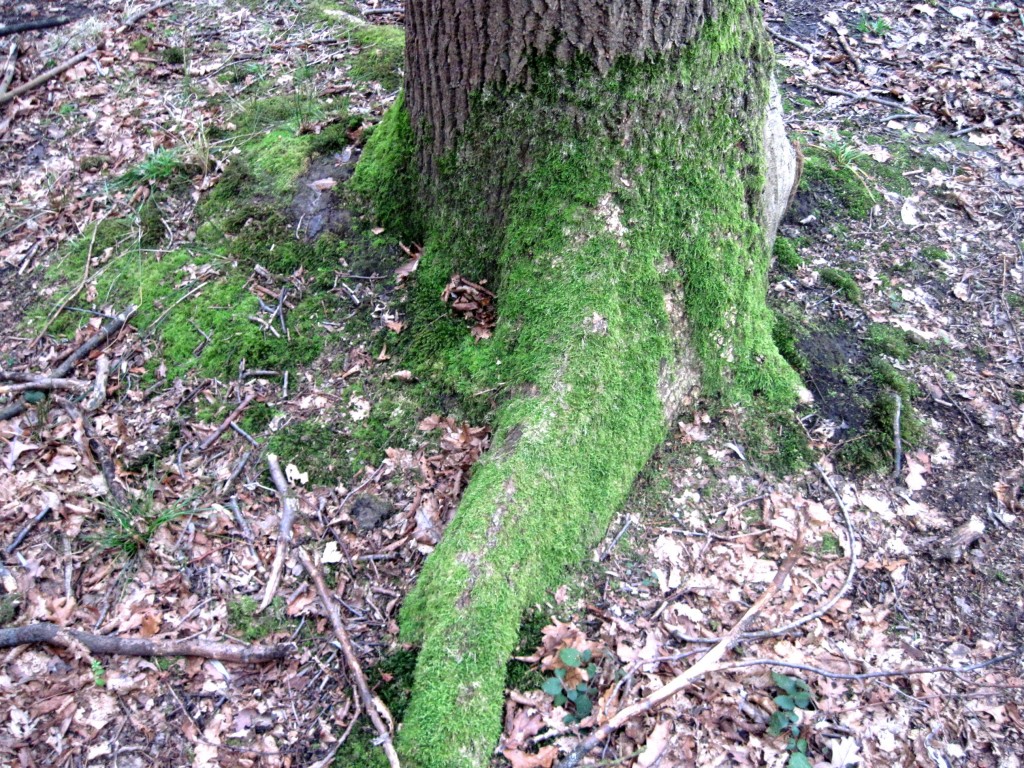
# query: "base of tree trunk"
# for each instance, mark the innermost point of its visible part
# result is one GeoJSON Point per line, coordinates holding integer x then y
{"type": "Point", "coordinates": [619, 217]}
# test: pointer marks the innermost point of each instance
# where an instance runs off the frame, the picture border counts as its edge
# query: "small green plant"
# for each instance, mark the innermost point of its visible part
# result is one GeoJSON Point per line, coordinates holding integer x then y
{"type": "Point", "coordinates": [246, 620]}
{"type": "Point", "coordinates": [843, 280]}
{"type": "Point", "coordinates": [869, 26]}
{"type": "Point", "coordinates": [130, 526]}
{"type": "Point", "coordinates": [578, 698]}
{"type": "Point", "coordinates": [99, 675]}
{"type": "Point", "coordinates": [796, 695]}
{"type": "Point", "coordinates": [830, 544]}
{"type": "Point", "coordinates": [158, 166]}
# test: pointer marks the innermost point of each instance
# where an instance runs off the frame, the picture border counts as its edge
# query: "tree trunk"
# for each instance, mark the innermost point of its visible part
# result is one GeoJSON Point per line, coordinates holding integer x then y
{"type": "Point", "coordinates": [608, 168]}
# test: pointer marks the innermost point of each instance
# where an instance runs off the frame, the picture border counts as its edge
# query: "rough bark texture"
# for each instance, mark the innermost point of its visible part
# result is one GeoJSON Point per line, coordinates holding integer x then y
{"type": "Point", "coordinates": [456, 49]}
{"type": "Point", "coordinates": [603, 165]}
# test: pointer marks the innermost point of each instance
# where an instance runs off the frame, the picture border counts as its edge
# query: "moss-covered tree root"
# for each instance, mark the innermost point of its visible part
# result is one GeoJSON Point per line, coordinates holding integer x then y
{"type": "Point", "coordinates": [616, 213]}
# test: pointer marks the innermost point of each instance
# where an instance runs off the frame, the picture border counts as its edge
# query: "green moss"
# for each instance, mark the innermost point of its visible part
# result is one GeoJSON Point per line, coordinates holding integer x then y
{"type": "Point", "coordinates": [252, 626]}
{"type": "Point", "coordinates": [256, 418]}
{"type": "Point", "coordinates": [830, 544]}
{"type": "Point", "coordinates": [784, 335]}
{"type": "Point", "coordinates": [775, 441]}
{"type": "Point", "coordinates": [392, 679]}
{"type": "Point", "coordinates": [381, 55]}
{"type": "Point", "coordinates": [889, 340]}
{"type": "Point", "coordinates": [582, 333]}
{"type": "Point", "coordinates": [786, 254]}
{"type": "Point", "coordinates": [173, 55]}
{"type": "Point", "coordinates": [934, 254]}
{"type": "Point", "coordinates": [313, 447]}
{"type": "Point", "coordinates": [141, 45]}
{"type": "Point", "coordinates": [830, 176]}
{"type": "Point", "coordinates": [359, 750]}
{"type": "Point", "coordinates": [874, 448]}
{"type": "Point", "coordinates": [386, 176]}
{"type": "Point", "coordinates": [843, 280]}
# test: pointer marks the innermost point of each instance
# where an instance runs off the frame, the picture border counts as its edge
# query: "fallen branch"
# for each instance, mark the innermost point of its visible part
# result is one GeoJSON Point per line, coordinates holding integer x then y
{"type": "Point", "coordinates": [205, 445]}
{"type": "Point", "coordinates": [284, 536]}
{"type": "Point", "coordinates": [870, 675]}
{"type": "Point", "coordinates": [707, 663]}
{"type": "Point", "coordinates": [897, 440]}
{"type": "Point", "coordinates": [865, 97]}
{"type": "Point", "coordinates": [52, 634]}
{"type": "Point", "coordinates": [372, 705]}
{"type": "Point", "coordinates": [134, 18]}
{"type": "Point", "coordinates": [45, 383]}
{"type": "Point", "coordinates": [12, 59]}
{"type": "Point", "coordinates": [99, 385]}
{"type": "Point", "coordinates": [111, 327]}
{"type": "Point", "coordinates": [827, 606]}
{"type": "Point", "coordinates": [28, 26]}
{"type": "Point", "coordinates": [99, 450]}
{"type": "Point", "coordinates": [48, 75]}
{"type": "Point", "coordinates": [26, 530]}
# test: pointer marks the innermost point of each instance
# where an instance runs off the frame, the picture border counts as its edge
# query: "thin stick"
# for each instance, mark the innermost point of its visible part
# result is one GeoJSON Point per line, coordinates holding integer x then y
{"type": "Point", "coordinates": [284, 537]}
{"type": "Point", "coordinates": [99, 385]}
{"type": "Point", "coordinates": [52, 634]}
{"type": "Point", "coordinates": [864, 97]}
{"type": "Point", "coordinates": [827, 606]}
{"type": "Point", "coordinates": [707, 663]}
{"type": "Point", "coordinates": [47, 75]}
{"type": "Point", "coordinates": [131, 20]}
{"type": "Point", "coordinates": [28, 26]}
{"type": "Point", "coordinates": [205, 445]}
{"type": "Point", "coordinates": [871, 675]}
{"type": "Point", "coordinates": [230, 482]}
{"type": "Point", "coordinates": [370, 704]}
{"type": "Point", "coordinates": [26, 530]}
{"type": "Point", "coordinates": [47, 383]}
{"type": "Point", "coordinates": [99, 450]}
{"type": "Point", "coordinates": [12, 60]}
{"type": "Point", "coordinates": [897, 441]}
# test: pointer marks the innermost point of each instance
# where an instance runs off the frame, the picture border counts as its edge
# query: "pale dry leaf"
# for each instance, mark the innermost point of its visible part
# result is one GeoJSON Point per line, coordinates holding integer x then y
{"type": "Point", "coordinates": [294, 475]}
{"type": "Point", "coordinates": [656, 744]}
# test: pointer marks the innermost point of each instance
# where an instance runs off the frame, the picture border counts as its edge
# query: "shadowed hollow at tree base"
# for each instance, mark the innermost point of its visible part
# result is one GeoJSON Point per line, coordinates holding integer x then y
{"type": "Point", "coordinates": [615, 205]}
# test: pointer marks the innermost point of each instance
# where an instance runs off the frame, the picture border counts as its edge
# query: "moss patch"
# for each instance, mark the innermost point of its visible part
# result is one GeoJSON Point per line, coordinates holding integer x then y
{"type": "Point", "coordinates": [842, 280]}
{"type": "Point", "coordinates": [250, 625]}
{"type": "Point", "coordinates": [786, 254]}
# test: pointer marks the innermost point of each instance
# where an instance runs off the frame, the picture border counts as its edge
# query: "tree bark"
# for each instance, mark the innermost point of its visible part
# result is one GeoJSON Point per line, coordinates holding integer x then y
{"type": "Point", "coordinates": [605, 167]}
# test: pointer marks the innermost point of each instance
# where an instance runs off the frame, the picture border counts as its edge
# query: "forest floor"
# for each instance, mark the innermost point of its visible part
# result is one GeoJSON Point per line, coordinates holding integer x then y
{"type": "Point", "coordinates": [192, 167]}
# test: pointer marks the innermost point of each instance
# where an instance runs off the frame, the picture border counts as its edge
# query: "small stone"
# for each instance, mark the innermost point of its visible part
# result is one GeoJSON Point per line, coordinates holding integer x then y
{"type": "Point", "coordinates": [368, 511]}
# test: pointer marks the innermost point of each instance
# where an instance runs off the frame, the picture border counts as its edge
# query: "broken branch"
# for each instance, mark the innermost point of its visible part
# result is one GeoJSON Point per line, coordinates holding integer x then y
{"type": "Point", "coordinates": [205, 445]}
{"type": "Point", "coordinates": [284, 537]}
{"type": "Point", "coordinates": [52, 634]}
{"type": "Point", "coordinates": [372, 705]}
{"type": "Point", "coordinates": [707, 663]}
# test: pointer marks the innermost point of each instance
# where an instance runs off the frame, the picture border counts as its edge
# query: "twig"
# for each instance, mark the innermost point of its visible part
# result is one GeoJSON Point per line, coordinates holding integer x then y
{"type": "Point", "coordinates": [827, 606]}
{"type": "Point", "coordinates": [45, 382]}
{"type": "Point", "coordinates": [243, 526]}
{"type": "Point", "coordinates": [864, 97]}
{"type": "Point", "coordinates": [381, 11]}
{"type": "Point", "coordinates": [284, 537]}
{"type": "Point", "coordinates": [850, 54]}
{"type": "Point", "coordinates": [134, 18]}
{"type": "Point", "coordinates": [26, 530]}
{"type": "Point", "coordinates": [372, 706]}
{"type": "Point", "coordinates": [28, 26]}
{"type": "Point", "coordinates": [109, 329]}
{"type": "Point", "coordinates": [99, 385]}
{"type": "Point", "coordinates": [707, 663]}
{"type": "Point", "coordinates": [870, 675]}
{"type": "Point", "coordinates": [209, 441]}
{"type": "Point", "coordinates": [47, 75]}
{"type": "Point", "coordinates": [897, 440]}
{"type": "Point", "coordinates": [12, 60]}
{"type": "Point", "coordinates": [77, 289]}
{"type": "Point", "coordinates": [230, 482]}
{"type": "Point", "coordinates": [99, 450]}
{"type": "Point", "coordinates": [615, 541]}
{"type": "Point", "coordinates": [52, 634]}
{"type": "Point", "coordinates": [248, 438]}
{"type": "Point", "coordinates": [167, 311]}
